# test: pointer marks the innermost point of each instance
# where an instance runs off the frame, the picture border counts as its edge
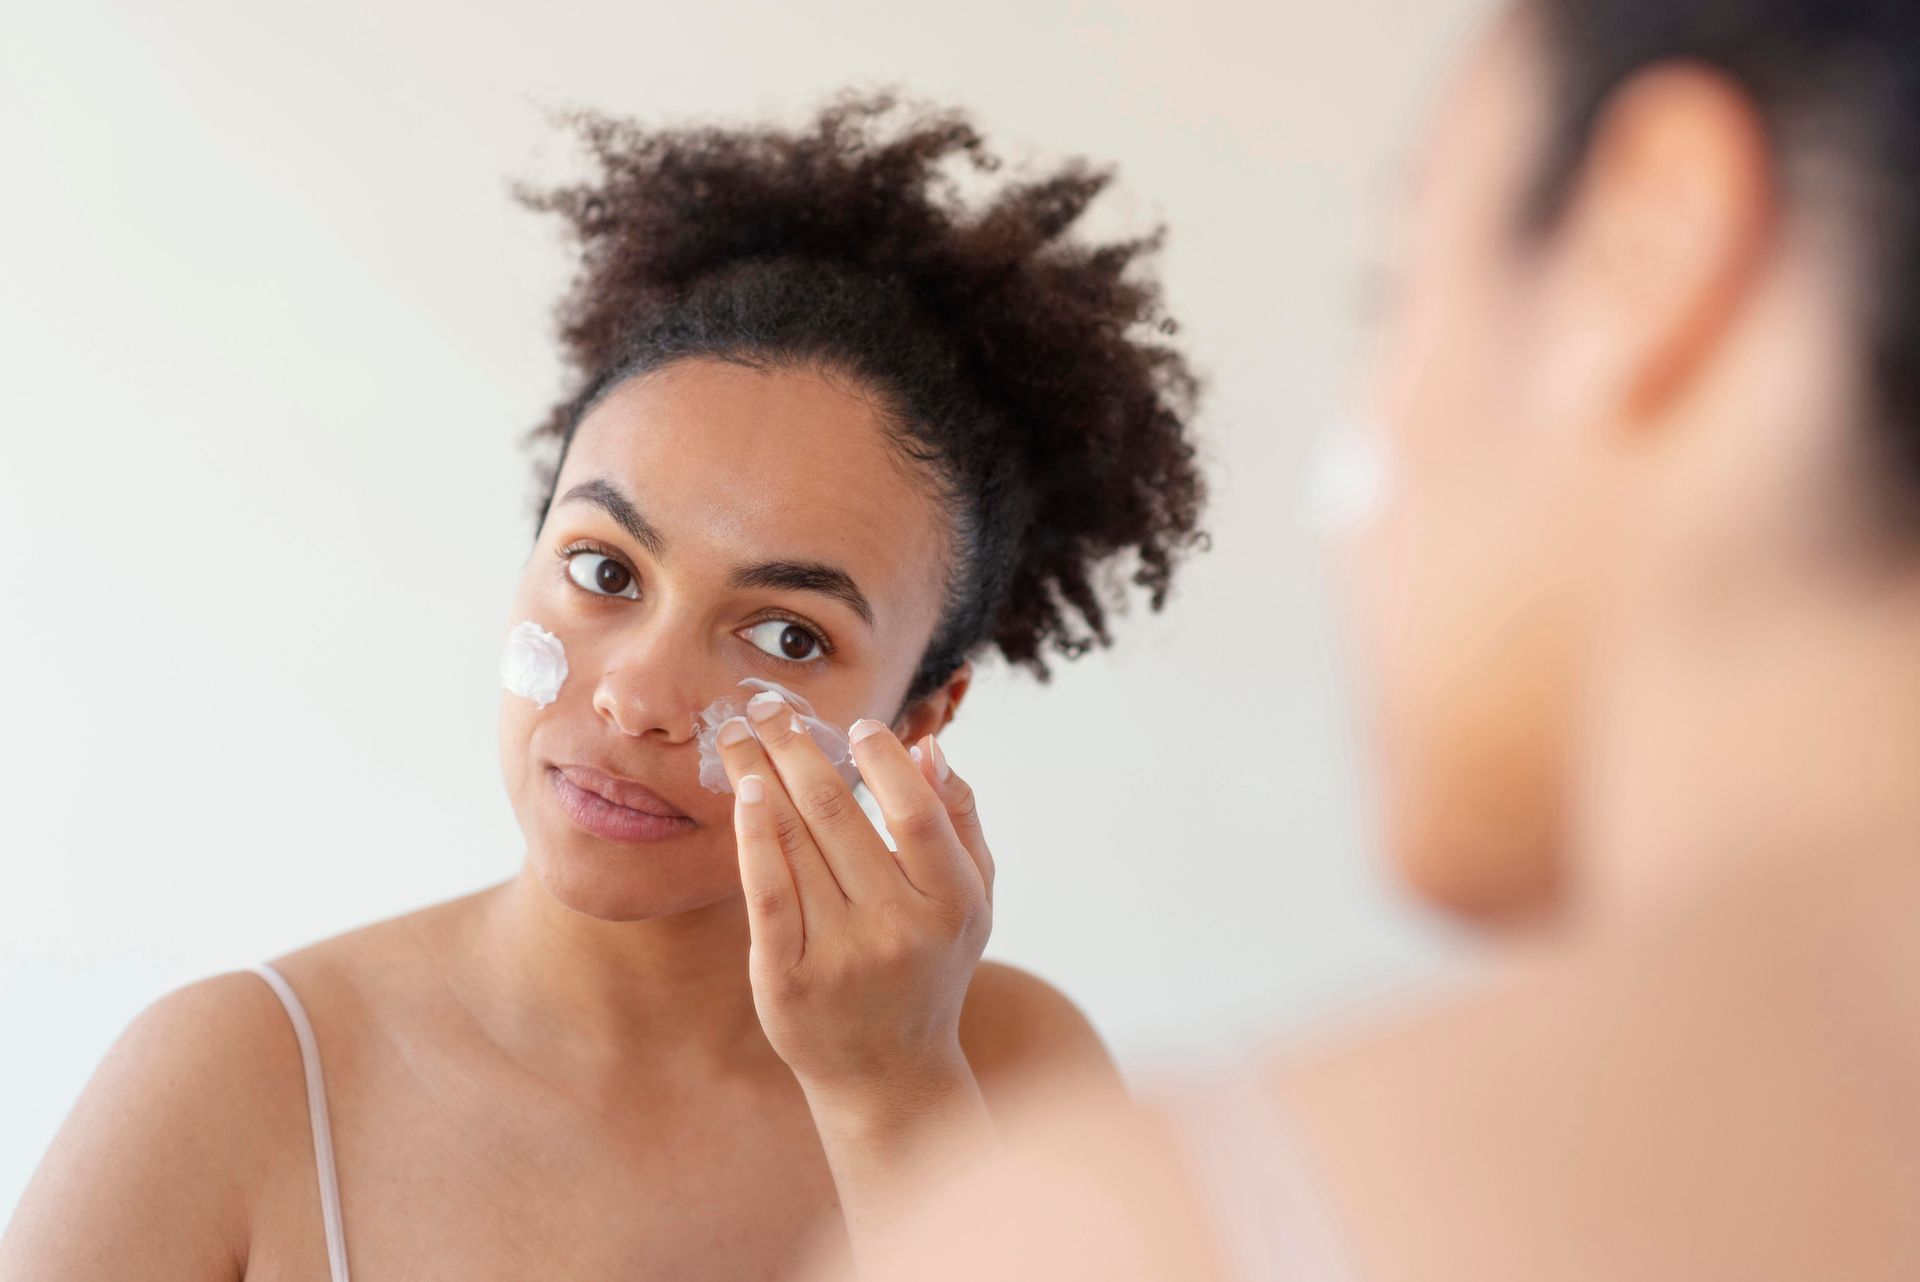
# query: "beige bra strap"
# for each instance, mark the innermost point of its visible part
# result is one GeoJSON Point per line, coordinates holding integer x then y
{"type": "Point", "coordinates": [317, 1114]}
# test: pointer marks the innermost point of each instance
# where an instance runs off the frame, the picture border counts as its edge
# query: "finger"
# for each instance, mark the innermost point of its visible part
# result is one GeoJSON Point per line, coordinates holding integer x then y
{"type": "Point", "coordinates": [860, 860]}
{"type": "Point", "coordinates": [930, 851]}
{"type": "Point", "coordinates": [742, 755]}
{"type": "Point", "coordinates": [774, 912]}
{"type": "Point", "coordinates": [956, 794]}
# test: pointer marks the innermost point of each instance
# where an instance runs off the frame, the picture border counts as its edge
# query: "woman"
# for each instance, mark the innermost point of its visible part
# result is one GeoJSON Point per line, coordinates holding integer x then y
{"type": "Point", "coordinates": [1639, 612]}
{"type": "Point", "coordinates": [837, 429]}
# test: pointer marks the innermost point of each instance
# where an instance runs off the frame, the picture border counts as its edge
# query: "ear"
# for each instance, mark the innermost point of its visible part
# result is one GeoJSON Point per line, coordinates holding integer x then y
{"type": "Point", "coordinates": [931, 714]}
{"type": "Point", "coordinates": [1668, 228]}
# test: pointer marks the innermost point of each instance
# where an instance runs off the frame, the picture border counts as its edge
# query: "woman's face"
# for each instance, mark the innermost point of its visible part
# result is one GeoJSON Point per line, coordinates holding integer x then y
{"type": "Point", "coordinates": [1467, 581]}
{"type": "Point", "coordinates": [711, 522]}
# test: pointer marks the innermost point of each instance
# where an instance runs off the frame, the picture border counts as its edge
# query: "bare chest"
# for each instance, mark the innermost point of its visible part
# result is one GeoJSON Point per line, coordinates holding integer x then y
{"type": "Point", "coordinates": [478, 1176]}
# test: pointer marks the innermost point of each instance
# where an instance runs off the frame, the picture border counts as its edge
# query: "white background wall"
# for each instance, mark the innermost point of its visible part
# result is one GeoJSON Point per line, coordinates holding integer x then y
{"type": "Point", "coordinates": [269, 327]}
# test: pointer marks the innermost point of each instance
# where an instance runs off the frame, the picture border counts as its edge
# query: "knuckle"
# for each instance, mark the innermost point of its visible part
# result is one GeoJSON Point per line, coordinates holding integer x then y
{"type": "Point", "coordinates": [962, 803]}
{"type": "Point", "coordinates": [786, 983]}
{"type": "Point", "coordinates": [791, 832]}
{"type": "Point", "coordinates": [960, 918]}
{"type": "Point", "coordinates": [825, 800]}
{"type": "Point", "coordinates": [767, 901]}
{"type": "Point", "coordinates": [917, 824]}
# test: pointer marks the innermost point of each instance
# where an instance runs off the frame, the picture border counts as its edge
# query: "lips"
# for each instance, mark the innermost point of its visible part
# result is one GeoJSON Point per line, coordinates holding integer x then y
{"type": "Point", "coordinates": [616, 809]}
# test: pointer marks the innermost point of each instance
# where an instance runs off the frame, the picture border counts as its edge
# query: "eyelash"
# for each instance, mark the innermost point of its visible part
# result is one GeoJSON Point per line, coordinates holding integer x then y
{"type": "Point", "coordinates": [820, 639]}
{"type": "Point", "coordinates": [568, 552]}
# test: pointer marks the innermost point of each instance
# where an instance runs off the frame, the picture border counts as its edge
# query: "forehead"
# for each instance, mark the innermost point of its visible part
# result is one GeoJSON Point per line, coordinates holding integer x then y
{"type": "Point", "coordinates": [742, 465]}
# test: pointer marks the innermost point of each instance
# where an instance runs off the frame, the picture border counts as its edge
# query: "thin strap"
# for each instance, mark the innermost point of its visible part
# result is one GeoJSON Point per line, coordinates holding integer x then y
{"type": "Point", "coordinates": [317, 1113]}
{"type": "Point", "coordinates": [1270, 1217]}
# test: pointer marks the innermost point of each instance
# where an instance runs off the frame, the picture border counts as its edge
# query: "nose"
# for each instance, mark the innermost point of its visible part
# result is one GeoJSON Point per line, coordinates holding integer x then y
{"type": "Point", "coordinates": [649, 686]}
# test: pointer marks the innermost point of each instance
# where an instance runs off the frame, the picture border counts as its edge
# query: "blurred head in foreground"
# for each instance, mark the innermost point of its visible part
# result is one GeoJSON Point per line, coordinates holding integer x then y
{"type": "Point", "coordinates": [1649, 392]}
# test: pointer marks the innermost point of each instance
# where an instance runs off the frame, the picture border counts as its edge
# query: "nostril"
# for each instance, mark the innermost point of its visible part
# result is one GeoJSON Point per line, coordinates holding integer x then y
{"type": "Point", "coordinates": [608, 706]}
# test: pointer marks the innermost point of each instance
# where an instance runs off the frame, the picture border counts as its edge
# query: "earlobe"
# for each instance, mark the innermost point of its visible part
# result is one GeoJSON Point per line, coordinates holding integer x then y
{"type": "Point", "coordinates": [1672, 222]}
{"type": "Point", "coordinates": [933, 713]}
{"type": "Point", "coordinates": [955, 690]}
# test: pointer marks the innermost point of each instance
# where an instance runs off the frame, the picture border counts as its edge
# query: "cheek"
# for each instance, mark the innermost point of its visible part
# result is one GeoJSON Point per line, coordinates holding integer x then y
{"type": "Point", "coordinates": [1469, 690]}
{"type": "Point", "coordinates": [1461, 625]}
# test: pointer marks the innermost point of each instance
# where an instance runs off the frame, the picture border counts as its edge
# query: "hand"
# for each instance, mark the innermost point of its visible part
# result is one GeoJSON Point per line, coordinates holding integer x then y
{"type": "Point", "coordinates": [861, 958]}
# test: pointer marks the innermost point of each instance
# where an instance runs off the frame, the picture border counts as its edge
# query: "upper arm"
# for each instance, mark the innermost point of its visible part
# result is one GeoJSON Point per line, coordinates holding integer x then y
{"type": "Point", "coordinates": [148, 1176]}
{"type": "Point", "coordinates": [1019, 1033]}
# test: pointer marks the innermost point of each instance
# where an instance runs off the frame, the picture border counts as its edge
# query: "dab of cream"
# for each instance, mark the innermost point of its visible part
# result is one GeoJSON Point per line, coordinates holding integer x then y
{"type": "Point", "coordinates": [534, 664]}
{"type": "Point", "coordinates": [1348, 479]}
{"type": "Point", "coordinates": [832, 741]}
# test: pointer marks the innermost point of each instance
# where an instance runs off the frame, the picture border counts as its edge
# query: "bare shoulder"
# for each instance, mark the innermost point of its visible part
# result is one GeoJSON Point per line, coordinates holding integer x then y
{"type": "Point", "coordinates": [1018, 1029]}
{"type": "Point", "coordinates": [382, 973]}
{"type": "Point", "coordinates": [192, 1134]}
{"type": "Point", "coordinates": [181, 1123]}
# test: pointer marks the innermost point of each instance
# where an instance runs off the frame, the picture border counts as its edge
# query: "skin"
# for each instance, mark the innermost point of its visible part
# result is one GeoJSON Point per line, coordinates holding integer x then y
{"type": "Point", "coordinates": [593, 1069]}
{"type": "Point", "coordinates": [1639, 649]}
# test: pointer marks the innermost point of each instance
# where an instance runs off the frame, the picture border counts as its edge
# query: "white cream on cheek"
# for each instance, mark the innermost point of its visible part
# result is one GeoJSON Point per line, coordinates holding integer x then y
{"type": "Point", "coordinates": [534, 664]}
{"type": "Point", "coordinates": [1348, 480]}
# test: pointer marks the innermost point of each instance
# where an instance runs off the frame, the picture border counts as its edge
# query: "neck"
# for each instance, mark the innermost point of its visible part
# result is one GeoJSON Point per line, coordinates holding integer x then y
{"type": "Point", "coordinates": [663, 991]}
{"type": "Point", "coordinates": [1778, 739]}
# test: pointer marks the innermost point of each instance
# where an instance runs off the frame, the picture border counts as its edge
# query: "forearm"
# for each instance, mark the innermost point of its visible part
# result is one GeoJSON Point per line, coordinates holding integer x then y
{"type": "Point", "coordinates": [885, 1140]}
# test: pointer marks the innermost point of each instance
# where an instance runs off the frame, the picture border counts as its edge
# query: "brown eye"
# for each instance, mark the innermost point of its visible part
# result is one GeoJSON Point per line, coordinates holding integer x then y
{"type": "Point", "coordinates": [612, 577]}
{"type": "Point", "coordinates": [602, 575]}
{"type": "Point", "coordinates": [786, 640]}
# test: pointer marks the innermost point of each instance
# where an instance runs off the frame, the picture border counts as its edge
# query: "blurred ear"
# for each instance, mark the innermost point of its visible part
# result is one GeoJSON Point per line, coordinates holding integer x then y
{"type": "Point", "coordinates": [931, 714]}
{"type": "Point", "coordinates": [1667, 228]}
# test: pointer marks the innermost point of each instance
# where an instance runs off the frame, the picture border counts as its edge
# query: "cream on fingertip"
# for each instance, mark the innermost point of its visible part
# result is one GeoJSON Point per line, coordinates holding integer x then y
{"type": "Point", "coordinates": [769, 695]}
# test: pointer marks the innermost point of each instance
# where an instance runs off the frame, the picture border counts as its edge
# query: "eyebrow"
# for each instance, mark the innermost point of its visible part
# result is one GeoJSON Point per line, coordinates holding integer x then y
{"type": "Point", "coordinates": [609, 497]}
{"type": "Point", "coordinates": [806, 576]}
{"type": "Point", "coordinates": [778, 576]}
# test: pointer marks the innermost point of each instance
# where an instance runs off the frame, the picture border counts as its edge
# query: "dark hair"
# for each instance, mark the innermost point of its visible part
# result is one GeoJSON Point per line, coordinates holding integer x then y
{"type": "Point", "coordinates": [1832, 79]}
{"type": "Point", "coordinates": [1026, 371]}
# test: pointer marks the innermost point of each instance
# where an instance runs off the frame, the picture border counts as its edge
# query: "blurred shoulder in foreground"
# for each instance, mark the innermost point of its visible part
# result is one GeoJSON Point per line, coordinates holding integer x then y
{"type": "Point", "coordinates": [1727, 1094]}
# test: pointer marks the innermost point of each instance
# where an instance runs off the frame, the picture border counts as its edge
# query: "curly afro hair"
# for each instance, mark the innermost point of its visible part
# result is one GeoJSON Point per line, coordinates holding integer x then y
{"type": "Point", "coordinates": [1028, 372]}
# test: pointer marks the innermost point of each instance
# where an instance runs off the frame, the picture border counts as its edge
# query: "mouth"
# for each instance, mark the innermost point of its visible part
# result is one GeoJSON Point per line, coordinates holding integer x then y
{"type": "Point", "coordinates": [615, 809]}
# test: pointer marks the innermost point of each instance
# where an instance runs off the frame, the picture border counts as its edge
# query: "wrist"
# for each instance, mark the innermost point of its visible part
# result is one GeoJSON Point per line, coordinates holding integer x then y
{"type": "Point", "coordinates": [881, 1093]}
{"type": "Point", "coordinates": [909, 1109]}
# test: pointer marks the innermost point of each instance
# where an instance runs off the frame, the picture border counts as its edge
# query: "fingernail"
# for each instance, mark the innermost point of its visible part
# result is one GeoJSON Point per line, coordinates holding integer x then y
{"type": "Point", "coordinates": [940, 766]}
{"type": "Point", "coordinates": [863, 728]}
{"type": "Point", "coordinates": [733, 731]}
{"type": "Point", "coordinates": [753, 790]}
{"type": "Point", "coordinates": [765, 706]}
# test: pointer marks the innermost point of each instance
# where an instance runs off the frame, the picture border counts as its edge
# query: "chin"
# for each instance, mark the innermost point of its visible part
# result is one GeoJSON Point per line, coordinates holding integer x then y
{"type": "Point", "coordinates": [1486, 865]}
{"type": "Point", "coordinates": [613, 882]}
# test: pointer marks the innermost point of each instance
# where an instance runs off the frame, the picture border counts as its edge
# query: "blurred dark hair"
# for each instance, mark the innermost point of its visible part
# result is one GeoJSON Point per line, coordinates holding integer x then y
{"type": "Point", "coordinates": [1833, 80]}
{"type": "Point", "coordinates": [1027, 372]}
